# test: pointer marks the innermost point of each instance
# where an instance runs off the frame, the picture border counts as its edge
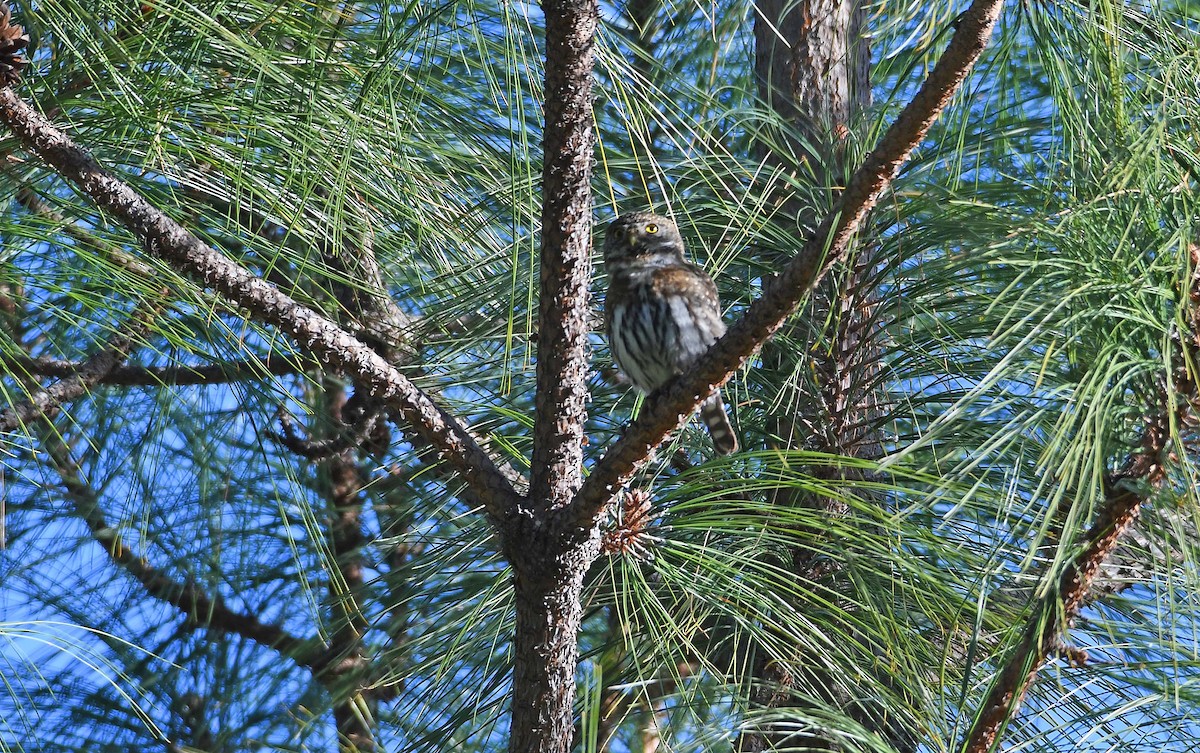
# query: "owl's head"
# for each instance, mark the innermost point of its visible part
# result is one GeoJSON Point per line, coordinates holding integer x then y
{"type": "Point", "coordinates": [642, 236]}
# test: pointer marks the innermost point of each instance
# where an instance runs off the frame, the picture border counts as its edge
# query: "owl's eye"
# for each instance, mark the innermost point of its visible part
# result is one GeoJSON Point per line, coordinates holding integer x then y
{"type": "Point", "coordinates": [652, 228]}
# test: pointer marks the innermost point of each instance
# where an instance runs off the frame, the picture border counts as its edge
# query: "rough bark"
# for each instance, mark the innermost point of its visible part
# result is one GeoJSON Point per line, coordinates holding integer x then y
{"type": "Point", "coordinates": [813, 69]}
{"type": "Point", "coordinates": [166, 239]}
{"type": "Point", "coordinates": [565, 268]}
{"type": "Point", "coordinates": [549, 562]}
{"type": "Point", "coordinates": [350, 667]}
{"type": "Point", "coordinates": [548, 583]}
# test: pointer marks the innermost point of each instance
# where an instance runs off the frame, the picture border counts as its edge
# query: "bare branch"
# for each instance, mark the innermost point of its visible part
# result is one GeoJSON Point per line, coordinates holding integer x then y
{"type": "Point", "coordinates": [166, 239]}
{"type": "Point", "coordinates": [828, 243]}
{"type": "Point", "coordinates": [126, 375]}
{"type": "Point", "coordinates": [354, 437]}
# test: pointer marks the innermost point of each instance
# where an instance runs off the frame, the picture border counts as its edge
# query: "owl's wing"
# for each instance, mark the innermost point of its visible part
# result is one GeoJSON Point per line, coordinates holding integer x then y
{"type": "Point", "coordinates": [704, 281]}
{"type": "Point", "coordinates": [695, 307]}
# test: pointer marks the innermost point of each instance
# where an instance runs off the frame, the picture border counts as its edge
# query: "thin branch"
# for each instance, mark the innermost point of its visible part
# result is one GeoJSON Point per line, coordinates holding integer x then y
{"type": "Point", "coordinates": [166, 239]}
{"type": "Point", "coordinates": [351, 665]}
{"type": "Point", "coordinates": [355, 436]}
{"type": "Point", "coordinates": [189, 599]}
{"type": "Point", "coordinates": [1058, 609]}
{"type": "Point", "coordinates": [829, 242]}
{"type": "Point", "coordinates": [45, 402]}
{"type": "Point", "coordinates": [563, 326]}
{"type": "Point", "coordinates": [126, 375]}
{"type": "Point", "coordinates": [34, 204]}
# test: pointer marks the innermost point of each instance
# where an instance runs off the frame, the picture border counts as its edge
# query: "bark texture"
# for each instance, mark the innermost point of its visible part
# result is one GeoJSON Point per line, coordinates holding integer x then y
{"type": "Point", "coordinates": [548, 583]}
{"type": "Point", "coordinates": [550, 561]}
{"type": "Point", "coordinates": [813, 67]}
{"type": "Point", "coordinates": [566, 251]}
{"type": "Point", "coordinates": [166, 239]}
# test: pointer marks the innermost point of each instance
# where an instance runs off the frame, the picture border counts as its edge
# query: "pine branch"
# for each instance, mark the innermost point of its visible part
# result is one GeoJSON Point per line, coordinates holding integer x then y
{"type": "Point", "coordinates": [1058, 610]}
{"type": "Point", "coordinates": [828, 244]}
{"type": "Point", "coordinates": [166, 239]}
{"type": "Point", "coordinates": [34, 204]}
{"type": "Point", "coordinates": [1043, 636]}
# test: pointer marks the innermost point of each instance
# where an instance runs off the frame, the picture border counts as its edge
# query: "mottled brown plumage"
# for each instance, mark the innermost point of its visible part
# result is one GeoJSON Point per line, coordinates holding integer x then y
{"type": "Point", "coordinates": [661, 312]}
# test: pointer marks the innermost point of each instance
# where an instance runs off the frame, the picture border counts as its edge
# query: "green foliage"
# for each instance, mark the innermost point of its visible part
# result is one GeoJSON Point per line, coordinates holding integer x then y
{"type": "Point", "coordinates": [1030, 278]}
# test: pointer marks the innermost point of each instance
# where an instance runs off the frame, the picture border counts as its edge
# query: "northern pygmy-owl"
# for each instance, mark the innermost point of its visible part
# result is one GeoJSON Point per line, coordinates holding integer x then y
{"type": "Point", "coordinates": [661, 312]}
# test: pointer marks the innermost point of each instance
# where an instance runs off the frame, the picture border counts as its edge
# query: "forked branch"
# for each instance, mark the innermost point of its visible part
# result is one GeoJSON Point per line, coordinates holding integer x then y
{"type": "Point", "coordinates": [46, 402]}
{"type": "Point", "coordinates": [191, 601]}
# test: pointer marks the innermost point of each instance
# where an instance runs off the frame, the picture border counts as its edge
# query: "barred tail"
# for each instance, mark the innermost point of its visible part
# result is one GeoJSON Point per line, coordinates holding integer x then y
{"type": "Point", "coordinates": [712, 413]}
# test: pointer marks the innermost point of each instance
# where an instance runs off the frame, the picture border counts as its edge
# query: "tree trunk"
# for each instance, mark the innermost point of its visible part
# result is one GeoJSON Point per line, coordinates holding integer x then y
{"type": "Point", "coordinates": [548, 586]}
{"type": "Point", "coordinates": [549, 554]}
{"type": "Point", "coordinates": [813, 66]}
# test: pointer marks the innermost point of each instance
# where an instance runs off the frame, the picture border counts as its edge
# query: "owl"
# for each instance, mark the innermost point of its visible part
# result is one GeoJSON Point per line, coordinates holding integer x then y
{"type": "Point", "coordinates": [661, 312]}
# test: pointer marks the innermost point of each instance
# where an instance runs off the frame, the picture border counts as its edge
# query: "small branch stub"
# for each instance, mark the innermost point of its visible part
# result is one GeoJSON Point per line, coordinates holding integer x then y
{"type": "Point", "coordinates": [13, 42]}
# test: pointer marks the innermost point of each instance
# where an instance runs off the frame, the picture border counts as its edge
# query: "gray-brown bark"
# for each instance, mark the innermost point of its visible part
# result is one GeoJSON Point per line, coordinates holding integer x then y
{"type": "Point", "coordinates": [566, 250]}
{"type": "Point", "coordinates": [128, 375]}
{"type": "Point", "coordinates": [165, 238]}
{"type": "Point", "coordinates": [549, 563]}
{"type": "Point", "coordinates": [548, 583]}
{"type": "Point", "coordinates": [349, 625]}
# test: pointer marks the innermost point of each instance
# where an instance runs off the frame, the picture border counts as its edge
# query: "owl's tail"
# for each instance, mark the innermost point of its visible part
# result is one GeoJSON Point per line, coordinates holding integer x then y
{"type": "Point", "coordinates": [712, 413]}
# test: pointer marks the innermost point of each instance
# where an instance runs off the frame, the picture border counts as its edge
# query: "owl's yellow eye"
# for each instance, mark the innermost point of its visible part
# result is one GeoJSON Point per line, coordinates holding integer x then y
{"type": "Point", "coordinates": [652, 228]}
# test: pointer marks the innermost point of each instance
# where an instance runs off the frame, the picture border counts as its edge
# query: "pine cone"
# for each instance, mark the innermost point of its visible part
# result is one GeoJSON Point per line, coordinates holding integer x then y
{"type": "Point", "coordinates": [13, 40]}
